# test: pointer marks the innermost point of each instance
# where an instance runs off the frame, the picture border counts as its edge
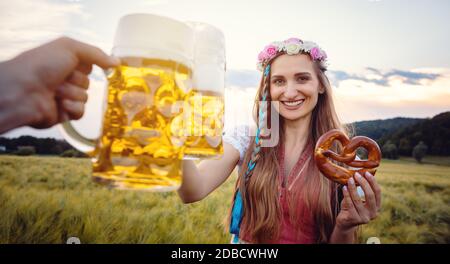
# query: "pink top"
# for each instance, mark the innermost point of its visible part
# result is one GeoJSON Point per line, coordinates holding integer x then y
{"type": "Point", "coordinates": [288, 234]}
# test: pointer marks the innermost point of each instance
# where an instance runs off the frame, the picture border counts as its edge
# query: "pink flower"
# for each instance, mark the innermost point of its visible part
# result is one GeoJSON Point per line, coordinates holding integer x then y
{"type": "Point", "coordinates": [271, 50]}
{"type": "Point", "coordinates": [262, 56]}
{"type": "Point", "coordinates": [315, 53]}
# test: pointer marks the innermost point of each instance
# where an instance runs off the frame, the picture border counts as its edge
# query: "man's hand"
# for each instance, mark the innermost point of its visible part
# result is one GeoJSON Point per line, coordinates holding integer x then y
{"type": "Point", "coordinates": [47, 84]}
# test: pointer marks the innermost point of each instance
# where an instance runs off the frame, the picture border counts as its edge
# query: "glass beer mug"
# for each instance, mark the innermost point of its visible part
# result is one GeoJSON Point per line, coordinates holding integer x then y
{"type": "Point", "coordinates": [203, 117]}
{"type": "Point", "coordinates": [137, 149]}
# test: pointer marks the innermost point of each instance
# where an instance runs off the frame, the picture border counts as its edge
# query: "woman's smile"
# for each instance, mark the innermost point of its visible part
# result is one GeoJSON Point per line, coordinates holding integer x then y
{"type": "Point", "coordinates": [292, 104]}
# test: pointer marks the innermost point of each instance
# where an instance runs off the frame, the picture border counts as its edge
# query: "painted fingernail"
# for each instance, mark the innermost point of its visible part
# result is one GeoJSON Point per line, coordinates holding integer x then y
{"type": "Point", "coordinates": [344, 188]}
{"type": "Point", "coordinates": [351, 181]}
{"type": "Point", "coordinates": [368, 174]}
{"type": "Point", "coordinates": [358, 176]}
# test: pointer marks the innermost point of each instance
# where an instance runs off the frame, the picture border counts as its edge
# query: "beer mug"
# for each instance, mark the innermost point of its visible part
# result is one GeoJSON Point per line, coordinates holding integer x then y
{"type": "Point", "coordinates": [203, 115]}
{"type": "Point", "coordinates": [137, 149]}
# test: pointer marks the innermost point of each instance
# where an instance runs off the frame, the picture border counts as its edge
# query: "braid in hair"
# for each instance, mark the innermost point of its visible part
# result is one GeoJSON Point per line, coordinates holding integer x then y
{"type": "Point", "coordinates": [238, 207]}
{"type": "Point", "coordinates": [262, 118]}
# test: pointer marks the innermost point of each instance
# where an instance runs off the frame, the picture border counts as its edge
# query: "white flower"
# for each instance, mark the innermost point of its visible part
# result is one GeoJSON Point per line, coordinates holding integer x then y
{"type": "Point", "coordinates": [292, 48]}
{"type": "Point", "coordinates": [308, 45]}
{"type": "Point", "coordinates": [279, 45]}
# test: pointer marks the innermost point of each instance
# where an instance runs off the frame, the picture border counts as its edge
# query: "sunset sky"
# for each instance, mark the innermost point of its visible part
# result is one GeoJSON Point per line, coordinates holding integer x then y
{"type": "Point", "coordinates": [387, 58]}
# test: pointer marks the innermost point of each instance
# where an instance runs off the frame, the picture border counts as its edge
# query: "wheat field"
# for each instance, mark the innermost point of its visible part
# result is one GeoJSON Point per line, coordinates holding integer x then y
{"type": "Point", "coordinates": [49, 199]}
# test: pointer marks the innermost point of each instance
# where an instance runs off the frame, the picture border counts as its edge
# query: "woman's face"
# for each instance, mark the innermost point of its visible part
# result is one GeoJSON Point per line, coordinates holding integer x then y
{"type": "Point", "coordinates": [294, 83]}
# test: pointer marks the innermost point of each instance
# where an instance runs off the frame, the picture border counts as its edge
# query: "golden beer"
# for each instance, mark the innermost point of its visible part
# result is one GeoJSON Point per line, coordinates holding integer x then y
{"type": "Point", "coordinates": [135, 148]}
{"type": "Point", "coordinates": [203, 124]}
{"type": "Point", "coordinates": [163, 103]}
{"type": "Point", "coordinates": [204, 121]}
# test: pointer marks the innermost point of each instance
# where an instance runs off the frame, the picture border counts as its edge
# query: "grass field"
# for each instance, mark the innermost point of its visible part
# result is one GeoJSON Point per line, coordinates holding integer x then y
{"type": "Point", "coordinates": [48, 199]}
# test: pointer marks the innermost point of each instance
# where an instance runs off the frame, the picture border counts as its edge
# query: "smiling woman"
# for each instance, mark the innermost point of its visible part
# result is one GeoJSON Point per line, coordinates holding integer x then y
{"type": "Point", "coordinates": [299, 199]}
{"type": "Point", "coordinates": [280, 195]}
{"type": "Point", "coordinates": [286, 81]}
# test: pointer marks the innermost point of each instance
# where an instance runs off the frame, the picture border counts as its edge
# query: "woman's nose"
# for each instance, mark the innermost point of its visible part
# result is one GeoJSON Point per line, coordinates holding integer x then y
{"type": "Point", "coordinates": [290, 90]}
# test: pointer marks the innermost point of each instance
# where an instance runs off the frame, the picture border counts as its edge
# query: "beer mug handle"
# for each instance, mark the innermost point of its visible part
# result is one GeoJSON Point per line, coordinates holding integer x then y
{"type": "Point", "coordinates": [75, 139]}
{"type": "Point", "coordinates": [78, 141]}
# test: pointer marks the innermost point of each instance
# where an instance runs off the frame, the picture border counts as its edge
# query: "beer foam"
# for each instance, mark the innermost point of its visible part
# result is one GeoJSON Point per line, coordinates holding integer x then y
{"type": "Point", "coordinates": [153, 36]}
{"type": "Point", "coordinates": [208, 77]}
{"type": "Point", "coordinates": [209, 57]}
{"type": "Point", "coordinates": [209, 40]}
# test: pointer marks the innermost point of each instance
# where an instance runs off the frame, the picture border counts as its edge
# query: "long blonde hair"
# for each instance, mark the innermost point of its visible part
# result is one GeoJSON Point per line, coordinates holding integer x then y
{"type": "Point", "coordinates": [262, 211]}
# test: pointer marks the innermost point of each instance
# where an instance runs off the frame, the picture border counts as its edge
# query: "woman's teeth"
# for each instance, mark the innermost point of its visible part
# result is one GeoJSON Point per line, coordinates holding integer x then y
{"type": "Point", "coordinates": [293, 103]}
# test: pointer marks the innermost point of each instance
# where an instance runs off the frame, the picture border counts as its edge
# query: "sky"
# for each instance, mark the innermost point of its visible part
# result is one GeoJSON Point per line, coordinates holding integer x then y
{"type": "Point", "coordinates": [387, 58]}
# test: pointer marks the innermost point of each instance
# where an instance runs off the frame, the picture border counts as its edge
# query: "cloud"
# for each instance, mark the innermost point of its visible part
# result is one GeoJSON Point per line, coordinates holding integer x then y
{"type": "Point", "coordinates": [411, 77]}
{"type": "Point", "coordinates": [251, 78]}
{"type": "Point", "coordinates": [242, 78]}
{"type": "Point", "coordinates": [366, 95]}
{"type": "Point", "coordinates": [414, 93]}
{"type": "Point", "coordinates": [241, 86]}
{"type": "Point", "coordinates": [26, 24]}
{"type": "Point", "coordinates": [379, 77]}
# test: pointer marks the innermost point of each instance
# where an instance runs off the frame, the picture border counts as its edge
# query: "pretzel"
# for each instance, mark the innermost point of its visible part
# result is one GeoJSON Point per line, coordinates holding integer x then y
{"type": "Point", "coordinates": [324, 156]}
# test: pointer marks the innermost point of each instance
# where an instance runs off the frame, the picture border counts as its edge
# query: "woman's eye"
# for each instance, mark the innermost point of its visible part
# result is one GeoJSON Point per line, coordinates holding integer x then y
{"type": "Point", "coordinates": [278, 82]}
{"type": "Point", "coordinates": [302, 79]}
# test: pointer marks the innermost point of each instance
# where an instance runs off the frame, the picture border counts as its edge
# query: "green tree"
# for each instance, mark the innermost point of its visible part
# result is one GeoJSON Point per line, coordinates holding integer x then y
{"type": "Point", "coordinates": [25, 151]}
{"type": "Point", "coordinates": [437, 147]}
{"type": "Point", "coordinates": [56, 149]}
{"type": "Point", "coordinates": [419, 151]}
{"type": "Point", "coordinates": [390, 150]}
{"type": "Point", "coordinates": [404, 147]}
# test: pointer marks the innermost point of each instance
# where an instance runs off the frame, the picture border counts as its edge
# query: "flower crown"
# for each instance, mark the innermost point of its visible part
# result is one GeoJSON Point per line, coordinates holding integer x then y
{"type": "Point", "coordinates": [292, 46]}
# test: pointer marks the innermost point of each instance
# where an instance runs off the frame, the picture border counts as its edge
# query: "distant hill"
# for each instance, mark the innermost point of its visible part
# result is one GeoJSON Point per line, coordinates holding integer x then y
{"type": "Point", "coordinates": [406, 133]}
{"type": "Point", "coordinates": [376, 129]}
{"type": "Point", "coordinates": [434, 132]}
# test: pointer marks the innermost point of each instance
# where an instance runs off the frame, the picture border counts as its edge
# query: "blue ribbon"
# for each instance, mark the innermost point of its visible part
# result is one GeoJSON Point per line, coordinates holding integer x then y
{"type": "Point", "coordinates": [257, 136]}
{"type": "Point", "coordinates": [236, 215]}
{"type": "Point", "coordinates": [251, 165]}
{"type": "Point", "coordinates": [266, 71]}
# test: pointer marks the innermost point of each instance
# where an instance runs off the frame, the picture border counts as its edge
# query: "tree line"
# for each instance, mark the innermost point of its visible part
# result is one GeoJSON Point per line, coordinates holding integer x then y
{"type": "Point", "coordinates": [29, 145]}
{"type": "Point", "coordinates": [408, 136]}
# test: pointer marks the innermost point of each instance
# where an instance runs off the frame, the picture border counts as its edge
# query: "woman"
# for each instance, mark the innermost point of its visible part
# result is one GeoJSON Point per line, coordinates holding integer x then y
{"type": "Point", "coordinates": [281, 197]}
